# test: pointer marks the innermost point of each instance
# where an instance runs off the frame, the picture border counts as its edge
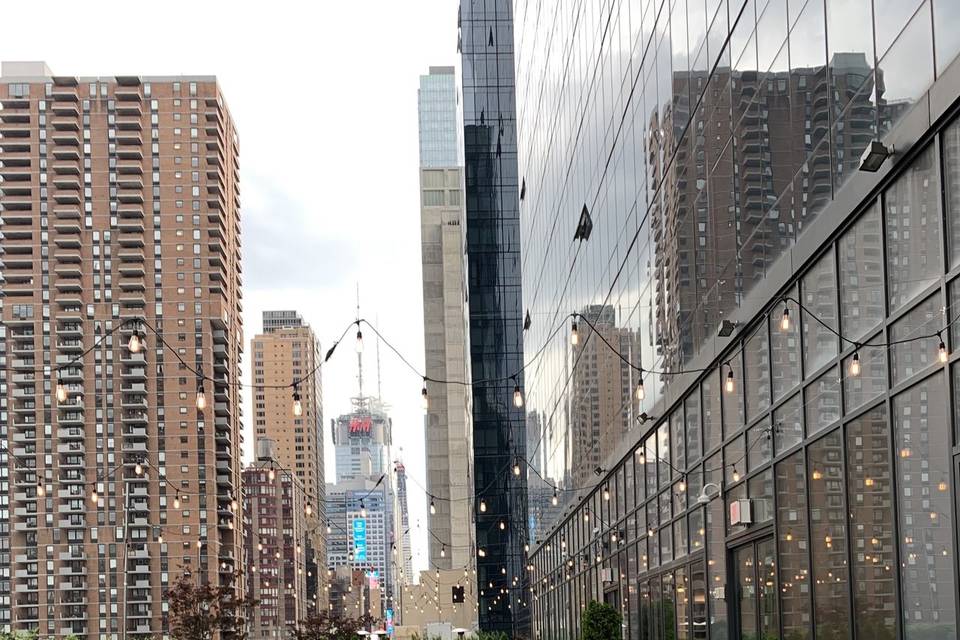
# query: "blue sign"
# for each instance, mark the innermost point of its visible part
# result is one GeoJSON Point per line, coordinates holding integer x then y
{"type": "Point", "coordinates": [390, 621]}
{"type": "Point", "coordinates": [359, 540]}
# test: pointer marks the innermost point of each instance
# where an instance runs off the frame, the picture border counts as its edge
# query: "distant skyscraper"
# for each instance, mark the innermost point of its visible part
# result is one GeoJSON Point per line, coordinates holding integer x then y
{"type": "Point", "coordinates": [496, 313]}
{"type": "Point", "coordinates": [362, 440]}
{"type": "Point", "coordinates": [119, 202]}
{"type": "Point", "coordinates": [449, 432]}
{"type": "Point", "coordinates": [286, 352]}
{"type": "Point", "coordinates": [404, 555]}
{"type": "Point", "coordinates": [274, 506]}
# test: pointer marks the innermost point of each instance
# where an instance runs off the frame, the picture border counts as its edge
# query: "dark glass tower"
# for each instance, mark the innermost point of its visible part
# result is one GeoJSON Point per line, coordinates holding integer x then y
{"type": "Point", "coordinates": [496, 316]}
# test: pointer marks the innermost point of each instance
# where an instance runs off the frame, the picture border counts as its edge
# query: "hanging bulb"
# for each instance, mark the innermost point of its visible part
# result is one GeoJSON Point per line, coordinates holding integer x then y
{"type": "Point", "coordinates": [785, 318]}
{"type": "Point", "coordinates": [574, 334]}
{"type": "Point", "coordinates": [855, 364]}
{"type": "Point", "coordinates": [394, 548]}
{"type": "Point", "coordinates": [134, 344]}
{"type": "Point", "coordinates": [942, 353]}
{"type": "Point", "coordinates": [641, 394]}
{"type": "Point", "coordinates": [683, 484]}
{"type": "Point", "coordinates": [363, 510]}
{"type": "Point", "coordinates": [61, 392]}
{"type": "Point", "coordinates": [234, 505]}
{"type": "Point", "coordinates": [271, 475]}
{"type": "Point", "coordinates": [483, 506]}
{"type": "Point", "coordinates": [517, 396]}
{"type": "Point", "coordinates": [555, 498]}
{"type": "Point", "coordinates": [359, 345]}
{"type": "Point", "coordinates": [201, 397]}
{"type": "Point", "coordinates": [736, 475]}
{"type": "Point", "coordinates": [641, 457]}
{"type": "Point", "coordinates": [259, 546]}
{"type": "Point", "coordinates": [606, 492]}
{"type": "Point", "coordinates": [160, 539]}
{"type": "Point", "coordinates": [443, 551]}
{"type": "Point", "coordinates": [138, 468]}
{"type": "Point", "coordinates": [40, 490]}
{"type": "Point", "coordinates": [433, 507]}
{"type": "Point", "coordinates": [176, 501]}
{"type": "Point", "coordinates": [516, 468]}
{"type": "Point", "coordinates": [503, 525]}
{"type": "Point", "coordinates": [424, 398]}
{"type": "Point", "coordinates": [308, 509]}
{"type": "Point", "coordinates": [94, 498]}
{"type": "Point", "coordinates": [329, 530]}
{"type": "Point", "coordinates": [729, 384]}
{"type": "Point", "coordinates": [297, 405]}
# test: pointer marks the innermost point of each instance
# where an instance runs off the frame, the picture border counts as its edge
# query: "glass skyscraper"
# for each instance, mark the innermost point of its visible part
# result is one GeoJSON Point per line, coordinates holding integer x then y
{"type": "Point", "coordinates": [772, 460]}
{"type": "Point", "coordinates": [496, 315]}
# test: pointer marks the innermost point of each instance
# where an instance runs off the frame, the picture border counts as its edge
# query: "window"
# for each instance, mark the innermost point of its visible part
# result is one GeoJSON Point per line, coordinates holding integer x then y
{"type": "Point", "coordinates": [861, 276]}
{"type": "Point", "coordinates": [793, 547]}
{"type": "Point", "coordinates": [432, 198]}
{"type": "Point", "coordinates": [913, 230]}
{"type": "Point", "coordinates": [819, 290]}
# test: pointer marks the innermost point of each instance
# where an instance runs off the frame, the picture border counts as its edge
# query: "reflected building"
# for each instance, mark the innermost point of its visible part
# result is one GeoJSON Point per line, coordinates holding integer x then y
{"type": "Point", "coordinates": [794, 474]}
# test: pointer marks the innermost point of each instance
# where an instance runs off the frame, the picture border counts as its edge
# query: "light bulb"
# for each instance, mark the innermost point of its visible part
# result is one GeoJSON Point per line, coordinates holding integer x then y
{"type": "Point", "coordinates": [40, 490]}
{"type": "Point", "coordinates": [516, 468]}
{"type": "Point", "coordinates": [234, 505]}
{"type": "Point", "coordinates": [942, 353]}
{"type": "Point", "coordinates": [61, 392]}
{"type": "Point", "coordinates": [201, 399]}
{"type": "Point", "coordinates": [555, 499]}
{"type": "Point", "coordinates": [259, 546]}
{"type": "Point", "coordinates": [176, 501]}
{"type": "Point", "coordinates": [297, 405]}
{"type": "Point", "coordinates": [138, 469]}
{"type": "Point", "coordinates": [785, 319]}
{"type": "Point", "coordinates": [433, 507]}
{"type": "Point", "coordinates": [641, 457]}
{"type": "Point", "coordinates": [641, 394]}
{"type": "Point", "coordinates": [308, 509]}
{"type": "Point", "coordinates": [517, 397]}
{"type": "Point", "coordinates": [503, 525]}
{"type": "Point", "coordinates": [736, 475]}
{"type": "Point", "coordinates": [424, 398]}
{"type": "Point", "coordinates": [574, 334]}
{"type": "Point", "coordinates": [483, 506]}
{"type": "Point", "coordinates": [443, 551]}
{"type": "Point", "coordinates": [199, 544]}
{"type": "Point", "coordinates": [160, 539]}
{"type": "Point", "coordinates": [606, 492]}
{"type": "Point", "coordinates": [271, 475]}
{"type": "Point", "coordinates": [359, 345]}
{"type": "Point", "coordinates": [94, 498]}
{"type": "Point", "coordinates": [729, 384]}
{"type": "Point", "coordinates": [134, 343]}
{"type": "Point", "coordinates": [363, 510]}
{"type": "Point", "coordinates": [329, 530]}
{"type": "Point", "coordinates": [855, 364]}
{"type": "Point", "coordinates": [682, 486]}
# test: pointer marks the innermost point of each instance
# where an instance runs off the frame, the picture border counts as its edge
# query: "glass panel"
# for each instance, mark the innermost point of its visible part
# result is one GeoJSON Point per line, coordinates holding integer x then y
{"type": "Point", "coordinates": [889, 18]}
{"type": "Point", "coordinates": [644, 615]}
{"type": "Point", "coordinates": [872, 380]}
{"type": "Point", "coordinates": [951, 177]}
{"type": "Point", "coordinates": [823, 402]}
{"type": "Point", "coordinates": [819, 289]}
{"type": "Point", "coordinates": [734, 466]}
{"type": "Point", "coordinates": [698, 606]}
{"type": "Point", "coordinates": [793, 548]}
{"type": "Point", "coordinates": [680, 538]}
{"type": "Point", "coordinates": [757, 376]}
{"type": "Point", "coordinates": [760, 490]}
{"type": "Point", "coordinates": [663, 453]}
{"type": "Point", "coordinates": [767, 588]}
{"type": "Point", "coordinates": [650, 458]}
{"type": "Point", "coordinates": [759, 445]}
{"type": "Point", "coordinates": [946, 15]}
{"type": "Point", "coordinates": [733, 401]}
{"type": "Point", "coordinates": [746, 591]}
{"type": "Point", "coordinates": [870, 500]}
{"type": "Point", "coordinates": [668, 617]}
{"type": "Point", "coordinates": [683, 604]}
{"type": "Point", "coordinates": [694, 441]}
{"type": "Point", "coordinates": [666, 544]}
{"type": "Point", "coordinates": [716, 552]}
{"type": "Point", "coordinates": [907, 68]}
{"type": "Point", "coordinates": [697, 532]}
{"type": "Point", "coordinates": [828, 537]}
{"type": "Point", "coordinates": [910, 358]}
{"type": "Point", "coordinates": [785, 351]}
{"type": "Point", "coordinates": [788, 424]}
{"type": "Point", "coordinates": [679, 440]}
{"type": "Point", "coordinates": [926, 539]}
{"type": "Point", "coordinates": [710, 393]}
{"type": "Point", "coordinates": [913, 230]}
{"type": "Point", "coordinates": [861, 276]}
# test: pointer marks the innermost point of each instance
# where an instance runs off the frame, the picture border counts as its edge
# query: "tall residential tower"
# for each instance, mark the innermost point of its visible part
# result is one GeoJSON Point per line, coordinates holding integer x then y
{"type": "Point", "coordinates": [449, 434]}
{"type": "Point", "coordinates": [119, 205]}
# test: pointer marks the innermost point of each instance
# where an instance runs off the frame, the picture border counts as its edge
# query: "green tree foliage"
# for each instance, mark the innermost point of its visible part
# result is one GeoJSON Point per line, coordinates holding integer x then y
{"type": "Point", "coordinates": [600, 622]}
{"type": "Point", "coordinates": [200, 611]}
{"type": "Point", "coordinates": [323, 626]}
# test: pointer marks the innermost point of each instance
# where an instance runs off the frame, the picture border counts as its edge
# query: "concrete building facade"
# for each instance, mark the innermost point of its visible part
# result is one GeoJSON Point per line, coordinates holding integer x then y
{"type": "Point", "coordinates": [119, 201]}
{"type": "Point", "coordinates": [448, 425]}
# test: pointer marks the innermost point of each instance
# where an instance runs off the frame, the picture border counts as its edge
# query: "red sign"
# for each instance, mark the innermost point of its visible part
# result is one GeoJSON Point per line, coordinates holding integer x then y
{"type": "Point", "coordinates": [361, 424]}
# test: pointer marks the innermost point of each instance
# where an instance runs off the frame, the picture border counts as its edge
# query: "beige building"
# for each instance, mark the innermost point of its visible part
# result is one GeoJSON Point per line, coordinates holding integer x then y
{"type": "Point", "coordinates": [286, 352]}
{"type": "Point", "coordinates": [430, 601]}
{"type": "Point", "coordinates": [449, 429]}
{"type": "Point", "coordinates": [119, 201]}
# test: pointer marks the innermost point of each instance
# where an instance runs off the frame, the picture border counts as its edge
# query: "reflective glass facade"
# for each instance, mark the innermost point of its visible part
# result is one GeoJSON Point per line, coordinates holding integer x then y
{"type": "Point", "coordinates": [716, 147]}
{"type": "Point", "coordinates": [496, 316]}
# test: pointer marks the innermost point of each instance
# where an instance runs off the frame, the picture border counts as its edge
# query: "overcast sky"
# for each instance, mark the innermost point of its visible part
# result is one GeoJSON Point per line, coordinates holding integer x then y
{"type": "Point", "coordinates": [325, 99]}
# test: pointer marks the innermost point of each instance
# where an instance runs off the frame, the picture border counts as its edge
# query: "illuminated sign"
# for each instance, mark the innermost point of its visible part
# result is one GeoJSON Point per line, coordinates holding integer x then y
{"type": "Point", "coordinates": [359, 540]}
{"type": "Point", "coordinates": [390, 621]}
{"type": "Point", "coordinates": [361, 425]}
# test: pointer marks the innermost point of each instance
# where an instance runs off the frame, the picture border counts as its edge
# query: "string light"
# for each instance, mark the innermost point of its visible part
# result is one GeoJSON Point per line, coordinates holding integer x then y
{"type": "Point", "coordinates": [855, 364]}
{"type": "Point", "coordinates": [942, 353]}
{"type": "Point", "coordinates": [483, 505]}
{"type": "Point", "coordinates": [641, 394]}
{"type": "Point", "coordinates": [425, 399]}
{"type": "Point", "coordinates": [606, 492]}
{"type": "Point", "coordinates": [433, 507]}
{"type": "Point", "coordinates": [201, 397]}
{"type": "Point", "coordinates": [329, 530]}
{"type": "Point", "coordinates": [682, 486]}
{"type": "Point", "coordinates": [736, 474]}
{"type": "Point", "coordinates": [40, 490]}
{"type": "Point", "coordinates": [641, 457]}
{"type": "Point", "coordinates": [359, 343]}
{"type": "Point", "coordinates": [503, 525]}
{"type": "Point", "coordinates": [574, 334]}
{"type": "Point", "coordinates": [729, 386]}
{"type": "Point", "coordinates": [61, 392]}
{"type": "Point", "coordinates": [363, 509]}
{"type": "Point", "coordinates": [94, 498]}
{"type": "Point", "coordinates": [443, 551]}
{"type": "Point", "coordinates": [271, 476]}
{"type": "Point", "coordinates": [555, 498]}
{"type": "Point", "coordinates": [297, 405]}
{"type": "Point", "coordinates": [138, 468]}
{"type": "Point", "coordinates": [517, 396]}
{"type": "Point", "coordinates": [176, 501]}
{"type": "Point", "coordinates": [308, 509]}
{"type": "Point", "coordinates": [135, 343]}
{"type": "Point", "coordinates": [516, 468]}
{"type": "Point", "coordinates": [785, 318]}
